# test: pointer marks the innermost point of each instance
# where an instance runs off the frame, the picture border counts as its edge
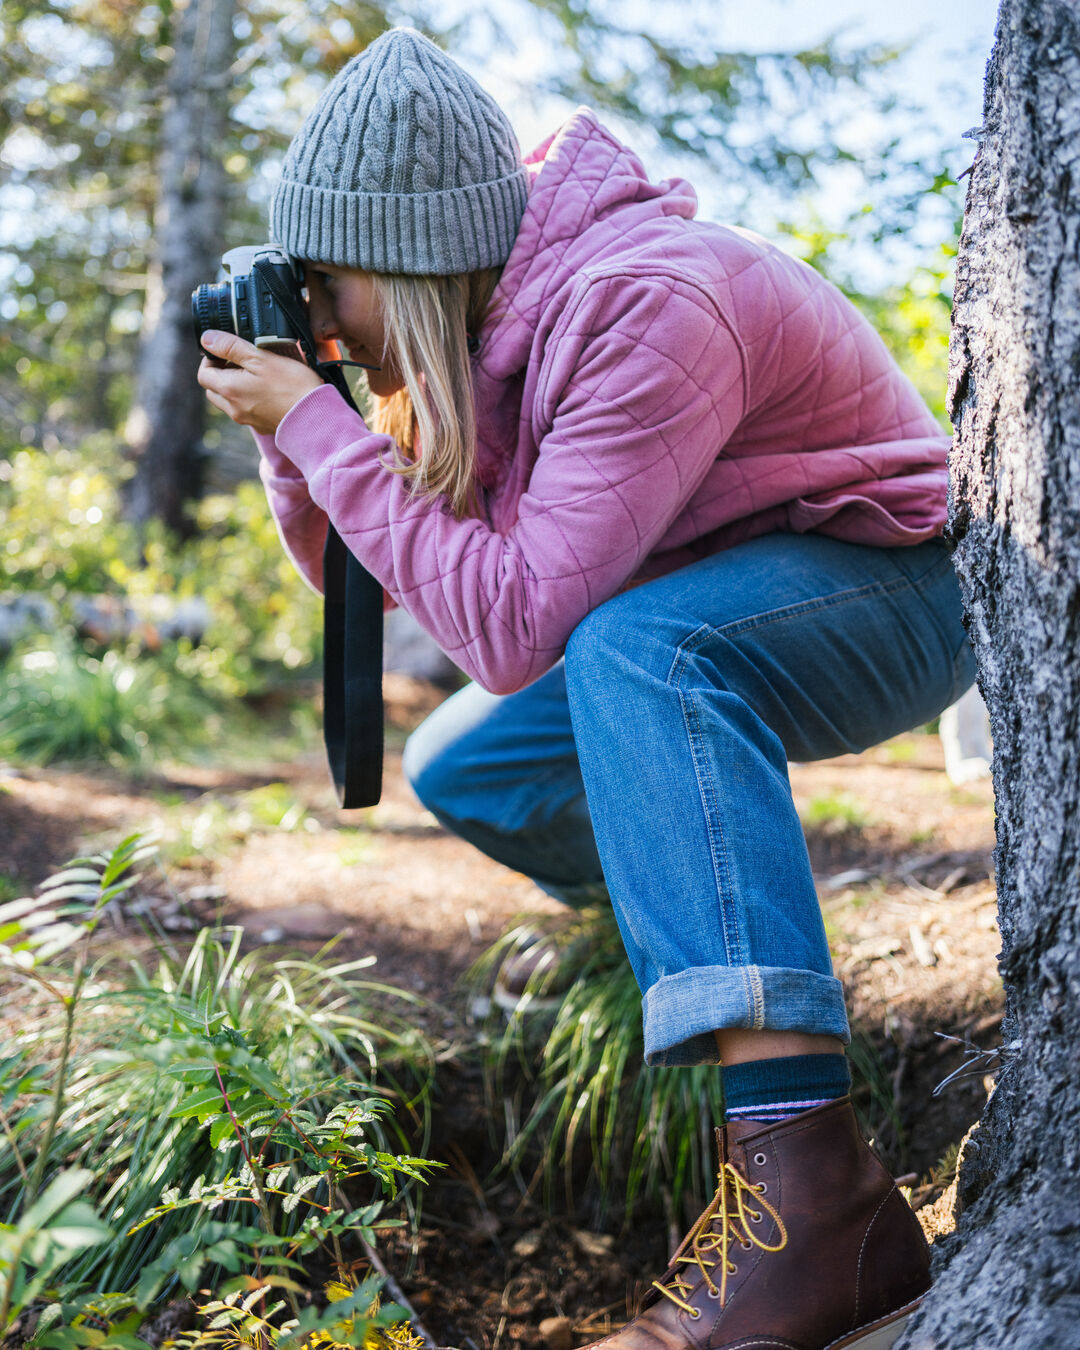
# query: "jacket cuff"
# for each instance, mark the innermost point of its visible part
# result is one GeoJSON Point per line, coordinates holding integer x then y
{"type": "Point", "coordinates": [272, 461]}
{"type": "Point", "coordinates": [317, 426]}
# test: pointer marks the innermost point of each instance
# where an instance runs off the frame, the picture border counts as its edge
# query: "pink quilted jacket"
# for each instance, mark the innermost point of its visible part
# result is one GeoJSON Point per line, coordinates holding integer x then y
{"type": "Point", "coordinates": [650, 389]}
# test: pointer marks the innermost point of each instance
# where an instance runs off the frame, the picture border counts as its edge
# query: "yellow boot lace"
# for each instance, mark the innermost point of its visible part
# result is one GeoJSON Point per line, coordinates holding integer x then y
{"type": "Point", "coordinates": [708, 1243]}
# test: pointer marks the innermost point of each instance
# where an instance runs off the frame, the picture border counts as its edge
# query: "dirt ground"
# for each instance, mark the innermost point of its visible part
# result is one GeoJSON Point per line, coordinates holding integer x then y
{"type": "Point", "coordinates": [903, 865]}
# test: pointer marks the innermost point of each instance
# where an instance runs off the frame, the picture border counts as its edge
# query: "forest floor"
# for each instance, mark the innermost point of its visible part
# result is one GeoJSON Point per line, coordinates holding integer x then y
{"type": "Point", "coordinates": [903, 865]}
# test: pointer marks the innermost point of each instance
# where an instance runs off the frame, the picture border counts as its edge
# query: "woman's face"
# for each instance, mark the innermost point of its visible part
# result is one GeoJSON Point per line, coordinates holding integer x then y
{"type": "Point", "coordinates": [343, 307]}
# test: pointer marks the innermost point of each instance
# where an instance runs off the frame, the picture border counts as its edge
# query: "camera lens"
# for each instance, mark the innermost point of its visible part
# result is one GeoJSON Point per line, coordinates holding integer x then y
{"type": "Point", "coordinates": [211, 307]}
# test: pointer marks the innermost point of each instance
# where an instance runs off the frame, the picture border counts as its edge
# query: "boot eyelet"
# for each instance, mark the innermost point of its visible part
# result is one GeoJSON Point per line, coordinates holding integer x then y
{"type": "Point", "coordinates": [760, 1160]}
{"type": "Point", "coordinates": [714, 1293]}
{"type": "Point", "coordinates": [761, 1187]}
{"type": "Point", "coordinates": [695, 1313]}
{"type": "Point", "coordinates": [746, 1245]}
{"type": "Point", "coordinates": [755, 1216]}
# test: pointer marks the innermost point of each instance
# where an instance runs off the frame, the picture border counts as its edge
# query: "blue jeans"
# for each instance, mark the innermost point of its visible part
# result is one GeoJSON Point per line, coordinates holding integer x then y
{"type": "Point", "coordinates": [673, 716]}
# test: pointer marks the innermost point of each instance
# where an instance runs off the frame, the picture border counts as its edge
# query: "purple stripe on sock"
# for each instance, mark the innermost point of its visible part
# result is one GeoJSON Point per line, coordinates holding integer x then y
{"type": "Point", "coordinates": [790, 1107]}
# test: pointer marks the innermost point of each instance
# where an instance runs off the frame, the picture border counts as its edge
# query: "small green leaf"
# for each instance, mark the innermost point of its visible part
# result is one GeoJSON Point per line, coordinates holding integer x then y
{"type": "Point", "coordinates": [225, 1253]}
{"type": "Point", "coordinates": [71, 890]}
{"type": "Point", "coordinates": [189, 1269]}
{"type": "Point", "coordinates": [205, 1101]}
{"type": "Point", "coordinates": [71, 874]}
{"type": "Point", "coordinates": [63, 1338]}
{"type": "Point", "coordinates": [221, 1129]}
{"type": "Point", "coordinates": [59, 1192]}
{"type": "Point", "coordinates": [15, 909]}
{"type": "Point", "coordinates": [74, 1236]}
{"type": "Point", "coordinates": [299, 1190]}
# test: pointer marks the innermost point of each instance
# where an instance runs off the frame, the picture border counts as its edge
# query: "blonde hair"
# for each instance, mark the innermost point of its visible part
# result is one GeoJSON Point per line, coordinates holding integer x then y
{"type": "Point", "coordinates": [428, 321]}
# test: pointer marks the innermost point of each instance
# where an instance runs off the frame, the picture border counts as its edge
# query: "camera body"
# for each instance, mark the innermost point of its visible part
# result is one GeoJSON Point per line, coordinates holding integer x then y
{"type": "Point", "coordinates": [244, 303]}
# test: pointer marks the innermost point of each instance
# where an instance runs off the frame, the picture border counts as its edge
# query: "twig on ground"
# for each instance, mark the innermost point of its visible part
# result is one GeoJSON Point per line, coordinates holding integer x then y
{"type": "Point", "coordinates": [976, 1060]}
{"type": "Point", "coordinates": [395, 1291]}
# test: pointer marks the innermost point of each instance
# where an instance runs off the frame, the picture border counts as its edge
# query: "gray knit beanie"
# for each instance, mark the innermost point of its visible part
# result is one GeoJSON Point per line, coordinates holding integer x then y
{"type": "Point", "coordinates": [404, 165]}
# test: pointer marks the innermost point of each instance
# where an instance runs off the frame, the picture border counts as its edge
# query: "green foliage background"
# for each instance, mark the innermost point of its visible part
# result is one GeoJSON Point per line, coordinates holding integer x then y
{"type": "Point", "coordinates": [67, 697]}
{"type": "Point", "coordinates": [80, 114]}
{"type": "Point", "coordinates": [65, 535]}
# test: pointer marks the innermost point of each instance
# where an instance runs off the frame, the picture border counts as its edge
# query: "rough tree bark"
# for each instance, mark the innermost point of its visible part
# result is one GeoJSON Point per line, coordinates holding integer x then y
{"type": "Point", "coordinates": [1010, 1276]}
{"type": "Point", "coordinates": [166, 424]}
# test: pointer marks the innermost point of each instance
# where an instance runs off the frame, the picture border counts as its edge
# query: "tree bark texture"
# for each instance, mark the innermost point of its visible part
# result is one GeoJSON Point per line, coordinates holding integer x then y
{"type": "Point", "coordinates": [165, 428]}
{"type": "Point", "coordinates": [1010, 1275]}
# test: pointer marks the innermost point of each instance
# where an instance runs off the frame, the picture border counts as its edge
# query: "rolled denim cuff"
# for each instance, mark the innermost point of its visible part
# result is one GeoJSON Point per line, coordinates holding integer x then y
{"type": "Point", "coordinates": [682, 1011]}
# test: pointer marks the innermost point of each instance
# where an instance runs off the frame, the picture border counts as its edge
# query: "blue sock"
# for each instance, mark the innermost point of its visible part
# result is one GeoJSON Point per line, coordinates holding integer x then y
{"type": "Point", "coordinates": [772, 1090]}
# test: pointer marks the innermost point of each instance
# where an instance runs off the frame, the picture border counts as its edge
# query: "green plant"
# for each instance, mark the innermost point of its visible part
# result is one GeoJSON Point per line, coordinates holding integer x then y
{"type": "Point", "coordinates": [61, 518]}
{"type": "Point", "coordinates": [203, 828]}
{"type": "Point", "coordinates": [49, 1227]}
{"type": "Point", "coordinates": [273, 805]}
{"type": "Point", "coordinates": [295, 1152]}
{"type": "Point", "coordinates": [214, 822]}
{"type": "Point", "coordinates": [48, 1233]}
{"type": "Point", "coordinates": [357, 848]}
{"type": "Point", "coordinates": [221, 1107]}
{"type": "Point", "coordinates": [575, 1090]}
{"type": "Point", "coordinates": [900, 750]}
{"type": "Point", "coordinates": [835, 813]}
{"type": "Point", "coordinates": [59, 704]}
{"type": "Point", "coordinates": [943, 1175]}
{"type": "Point", "coordinates": [354, 1316]}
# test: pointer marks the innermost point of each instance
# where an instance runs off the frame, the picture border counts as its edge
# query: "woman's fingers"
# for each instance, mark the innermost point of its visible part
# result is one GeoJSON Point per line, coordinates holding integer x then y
{"type": "Point", "coordinates": [217, 401]}
{"type": "Point", "coordinates": [229, 347]}
{"type": "Point", "coordinates": [221, 383]}
{"type": "Point", "coordinates": [255, 388]}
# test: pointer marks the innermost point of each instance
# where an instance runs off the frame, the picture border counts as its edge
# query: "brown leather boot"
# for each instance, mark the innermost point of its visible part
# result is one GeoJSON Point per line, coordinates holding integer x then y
{"type": "Point", "coordinates": [807, 1245]}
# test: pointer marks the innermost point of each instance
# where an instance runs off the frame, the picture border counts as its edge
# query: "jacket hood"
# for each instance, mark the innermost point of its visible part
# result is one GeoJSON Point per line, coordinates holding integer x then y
{"type": "Point", "coordinates": [578, 177]}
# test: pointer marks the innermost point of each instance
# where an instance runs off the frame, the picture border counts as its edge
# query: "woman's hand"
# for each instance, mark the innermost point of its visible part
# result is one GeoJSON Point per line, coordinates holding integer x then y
{"type": "Point", "coordinates": [259, 387]}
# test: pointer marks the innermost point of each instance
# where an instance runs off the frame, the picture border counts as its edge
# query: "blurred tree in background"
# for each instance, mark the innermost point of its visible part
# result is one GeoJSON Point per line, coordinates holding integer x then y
{"type": "Point", "coordinates": [130, 140]}
{"type": "Point", "coordinates": [139, 142]}
{"type": "Point", "coordinates": [165, 425]}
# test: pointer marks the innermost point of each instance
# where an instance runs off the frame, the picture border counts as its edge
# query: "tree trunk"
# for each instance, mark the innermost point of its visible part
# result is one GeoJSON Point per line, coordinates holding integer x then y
{"type": "Point", "coordinates": [165, 428]}
{"type": "Point", "coordinates": [1010, 1276]}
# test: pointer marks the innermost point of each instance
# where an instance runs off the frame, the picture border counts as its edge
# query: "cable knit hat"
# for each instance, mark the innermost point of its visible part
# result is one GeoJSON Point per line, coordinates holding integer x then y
{"type": "Point", "coordinates": [404, 165]}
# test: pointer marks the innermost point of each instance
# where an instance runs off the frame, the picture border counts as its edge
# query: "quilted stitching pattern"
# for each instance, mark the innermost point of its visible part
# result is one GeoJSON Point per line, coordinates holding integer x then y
{"type": "Point", "coordinates": [301, 524]}
{"type": "Point", "coordinates": [650, 388]}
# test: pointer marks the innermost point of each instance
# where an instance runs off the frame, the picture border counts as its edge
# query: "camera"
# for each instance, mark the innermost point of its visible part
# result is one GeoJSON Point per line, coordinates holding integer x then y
{"type": "Point", "coordinates": [245, 304]}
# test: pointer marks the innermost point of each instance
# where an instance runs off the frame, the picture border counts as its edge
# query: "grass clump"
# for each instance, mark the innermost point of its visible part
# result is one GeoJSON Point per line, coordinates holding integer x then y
{"type": "Point", "coordinates": [574, 1090]}
{"type": "Point", "coordinates": [60, 704]}
{"type": "Point", "coordinates": [835, 813]}
{"type": "Point", "coordinates": [211, 824]}
{"type": "Point", "coordinates": [218, 1118]}
{"type": "Point", "coordinates": [581, 1108]}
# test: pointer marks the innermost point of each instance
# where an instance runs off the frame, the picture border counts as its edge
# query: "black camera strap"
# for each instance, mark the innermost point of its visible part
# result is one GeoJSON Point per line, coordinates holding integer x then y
{"type": "Point", "coordinates": [352, 620]}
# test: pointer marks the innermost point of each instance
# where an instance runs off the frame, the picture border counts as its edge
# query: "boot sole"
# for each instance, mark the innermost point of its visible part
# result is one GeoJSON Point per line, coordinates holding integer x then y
{"type": "Point", "coordinates": [881, 1335]}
